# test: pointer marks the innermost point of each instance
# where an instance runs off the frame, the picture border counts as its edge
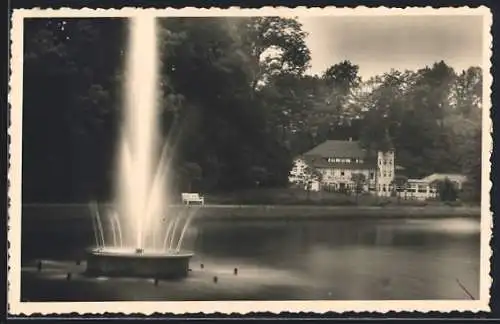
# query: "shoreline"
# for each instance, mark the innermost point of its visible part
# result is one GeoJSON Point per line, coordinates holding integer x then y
{"type": "Point", "coordinates": [284, 212]}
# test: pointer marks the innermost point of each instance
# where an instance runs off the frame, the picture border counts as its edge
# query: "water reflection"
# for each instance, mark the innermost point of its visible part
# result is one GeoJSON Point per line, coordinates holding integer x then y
{"type": "Point", "coordinates": [317, 259]}
{"type": "Point", "coordinates": [396, 259]}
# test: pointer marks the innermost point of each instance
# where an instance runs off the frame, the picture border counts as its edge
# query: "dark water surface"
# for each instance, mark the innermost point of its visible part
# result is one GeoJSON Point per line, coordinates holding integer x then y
{"type": "Point", "coordinates": [351, 259]}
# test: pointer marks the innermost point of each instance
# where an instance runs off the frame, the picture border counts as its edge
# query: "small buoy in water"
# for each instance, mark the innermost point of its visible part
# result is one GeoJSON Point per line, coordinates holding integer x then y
{"type": "Point", "coordinates": [216, 279]}
{"type": "Point", "coordinates": [156, 281]}
{"type": "Point", "coordinates": [235, 271]}
{"type": "Point", "coordinates": [68, 276]}
{"type": "Point", "coordinates": [202, 266]}
{"type": "Point", "coordinates": [39, 265]}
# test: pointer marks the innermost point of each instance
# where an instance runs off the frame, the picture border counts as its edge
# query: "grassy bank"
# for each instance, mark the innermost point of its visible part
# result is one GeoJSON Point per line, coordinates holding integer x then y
{"type": "Point", "coordinates": [274, 212]}
{"type": "Point", "coordinates": [299, 197]}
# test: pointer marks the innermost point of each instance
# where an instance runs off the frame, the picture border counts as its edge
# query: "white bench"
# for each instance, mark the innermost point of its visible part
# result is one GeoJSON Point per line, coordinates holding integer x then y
{"type": "Point", "coordinates": [187, 198]}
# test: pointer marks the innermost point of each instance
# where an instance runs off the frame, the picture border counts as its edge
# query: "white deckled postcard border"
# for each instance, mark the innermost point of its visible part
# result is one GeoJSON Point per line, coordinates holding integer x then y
{"type": "Point", "coordinates": [16, 307]}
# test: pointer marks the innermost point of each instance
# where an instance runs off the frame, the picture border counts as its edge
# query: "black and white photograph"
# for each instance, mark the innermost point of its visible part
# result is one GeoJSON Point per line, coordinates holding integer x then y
{"type": "Point", "coordinates": [249, 160]}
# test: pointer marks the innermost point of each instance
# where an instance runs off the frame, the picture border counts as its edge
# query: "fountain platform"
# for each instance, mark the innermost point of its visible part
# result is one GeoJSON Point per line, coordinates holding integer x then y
{"type": "Point", "coordinates": [113, 262]}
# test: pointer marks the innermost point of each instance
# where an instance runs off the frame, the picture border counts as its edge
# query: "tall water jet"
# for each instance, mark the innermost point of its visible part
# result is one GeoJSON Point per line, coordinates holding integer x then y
{"type": "Point", "coordinates": [139, 139]}
{"type": "Point", "coordinates": [133, 244]}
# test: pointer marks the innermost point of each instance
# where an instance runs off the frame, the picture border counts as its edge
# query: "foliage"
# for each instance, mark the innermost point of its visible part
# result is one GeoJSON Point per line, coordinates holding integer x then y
{"type": "Point", "coordinates": [359, 180]}
{"type": "Point", "coordinates": [447, 190]}
{"type": "Point", "coordinates": [192, 172]}
{"type": "Point", "coordinates": [258, 174]}
{"type": "Point", "coordinates": [70, 109]}
{"type": "Point", "coordinates": [236, 104]}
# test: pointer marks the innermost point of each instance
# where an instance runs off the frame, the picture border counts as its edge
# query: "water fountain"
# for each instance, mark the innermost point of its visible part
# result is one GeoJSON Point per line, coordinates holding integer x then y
{"type": "Point", "coordinates": [143, 234]}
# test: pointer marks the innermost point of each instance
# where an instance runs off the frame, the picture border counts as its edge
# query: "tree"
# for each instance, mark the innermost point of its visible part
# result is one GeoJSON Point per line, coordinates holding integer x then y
{"type": "Point", "coordinates": [384, 111]}
{"type": "Point", "coordinates": [433, 88]}
{"type": "Point", "coordinates": [250, 107]}
{"type": "Point", "coordinates": [275, 45]}
{"type": "Point", "coordinates": [192, 173]}
{"type": "Point", "coordinates": [466, 92]}
{"type": "Point", "coordinates": [230, 135]}
{"type": "Point", "coordinates": [341, 79]}
{"type": "Point", "coordinates": [311, 175]}
{"type": "Point", "coordinates": [306, 110]}
{"type": "Point", "coordinates": [472, 166]}
{"type": "Point", "coordinates": [413, 112]}
{"type": "Point", "coordinates": [446, 189]}
{"type": "Point", "coordinates": [258, 175]}
{"type": "Point", "coordinates": [359, 180]}
{"type": "Point", "coordinates": [70, 107]}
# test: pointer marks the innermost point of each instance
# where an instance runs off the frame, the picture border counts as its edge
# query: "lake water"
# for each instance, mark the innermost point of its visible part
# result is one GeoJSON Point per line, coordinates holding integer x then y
{"type": "Point", "coordinates": [346, 259]}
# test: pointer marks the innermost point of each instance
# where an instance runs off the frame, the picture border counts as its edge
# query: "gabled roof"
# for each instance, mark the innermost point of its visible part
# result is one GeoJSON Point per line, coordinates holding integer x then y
{"type": "Point", "coordinates": [442, 176]}
{"type": "Point", "coordinates": [320, 162]}
{"type": "Point", "coordinates": [341, 149]}
{"type": "Point", "coordinates": [417, 181]}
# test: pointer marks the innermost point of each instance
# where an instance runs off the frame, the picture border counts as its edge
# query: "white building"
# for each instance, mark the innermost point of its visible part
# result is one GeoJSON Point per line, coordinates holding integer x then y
{"type": "Point", "coordinates": [332, 164]}
{"type": "Point", "coordinates": [418, 189]}
{"type": "Point", "coordinates": [426, 188]}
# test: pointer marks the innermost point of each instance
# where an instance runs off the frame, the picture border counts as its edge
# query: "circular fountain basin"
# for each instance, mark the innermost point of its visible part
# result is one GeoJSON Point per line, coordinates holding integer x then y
{"type": "Point", "coordinates": [113, 262]}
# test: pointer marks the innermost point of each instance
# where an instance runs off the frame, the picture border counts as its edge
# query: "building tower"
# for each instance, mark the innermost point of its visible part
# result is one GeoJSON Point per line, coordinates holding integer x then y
{"type": "Point", "coordinates": [385, 173]}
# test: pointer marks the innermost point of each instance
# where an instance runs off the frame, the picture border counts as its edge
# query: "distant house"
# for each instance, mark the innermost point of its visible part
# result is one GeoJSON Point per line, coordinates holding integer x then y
{"type": "Point", "coordinates": [426, 187]}
{"type": "Point", "coordinates": [331, 166]}
{"type": "Point", "coordinates": [419, 189]}
{"type": "Point", "coordinates": [457, 179]}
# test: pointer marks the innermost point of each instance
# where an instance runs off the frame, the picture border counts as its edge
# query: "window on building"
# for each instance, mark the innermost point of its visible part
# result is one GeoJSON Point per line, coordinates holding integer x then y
{"type": "Point", "coordinates": [342, 173]}
{"type": "Point", "coordinates": [385, 174]}
{"type": "Point", "coordinates": [422, 188]}
{"type": "Point", "coordinates": [372, 175]}
{"type": "Point", "coordinates": [384, 188]}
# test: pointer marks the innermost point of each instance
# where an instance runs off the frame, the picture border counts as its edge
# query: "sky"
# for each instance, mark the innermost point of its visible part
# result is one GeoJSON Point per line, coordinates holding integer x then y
{"type": "Point", "coordinates": [380, 43]}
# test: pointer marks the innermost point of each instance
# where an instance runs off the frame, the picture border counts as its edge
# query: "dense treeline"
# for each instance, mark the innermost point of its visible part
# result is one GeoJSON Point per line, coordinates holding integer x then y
{"type": "Point", "coordinates": [236, 97]}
